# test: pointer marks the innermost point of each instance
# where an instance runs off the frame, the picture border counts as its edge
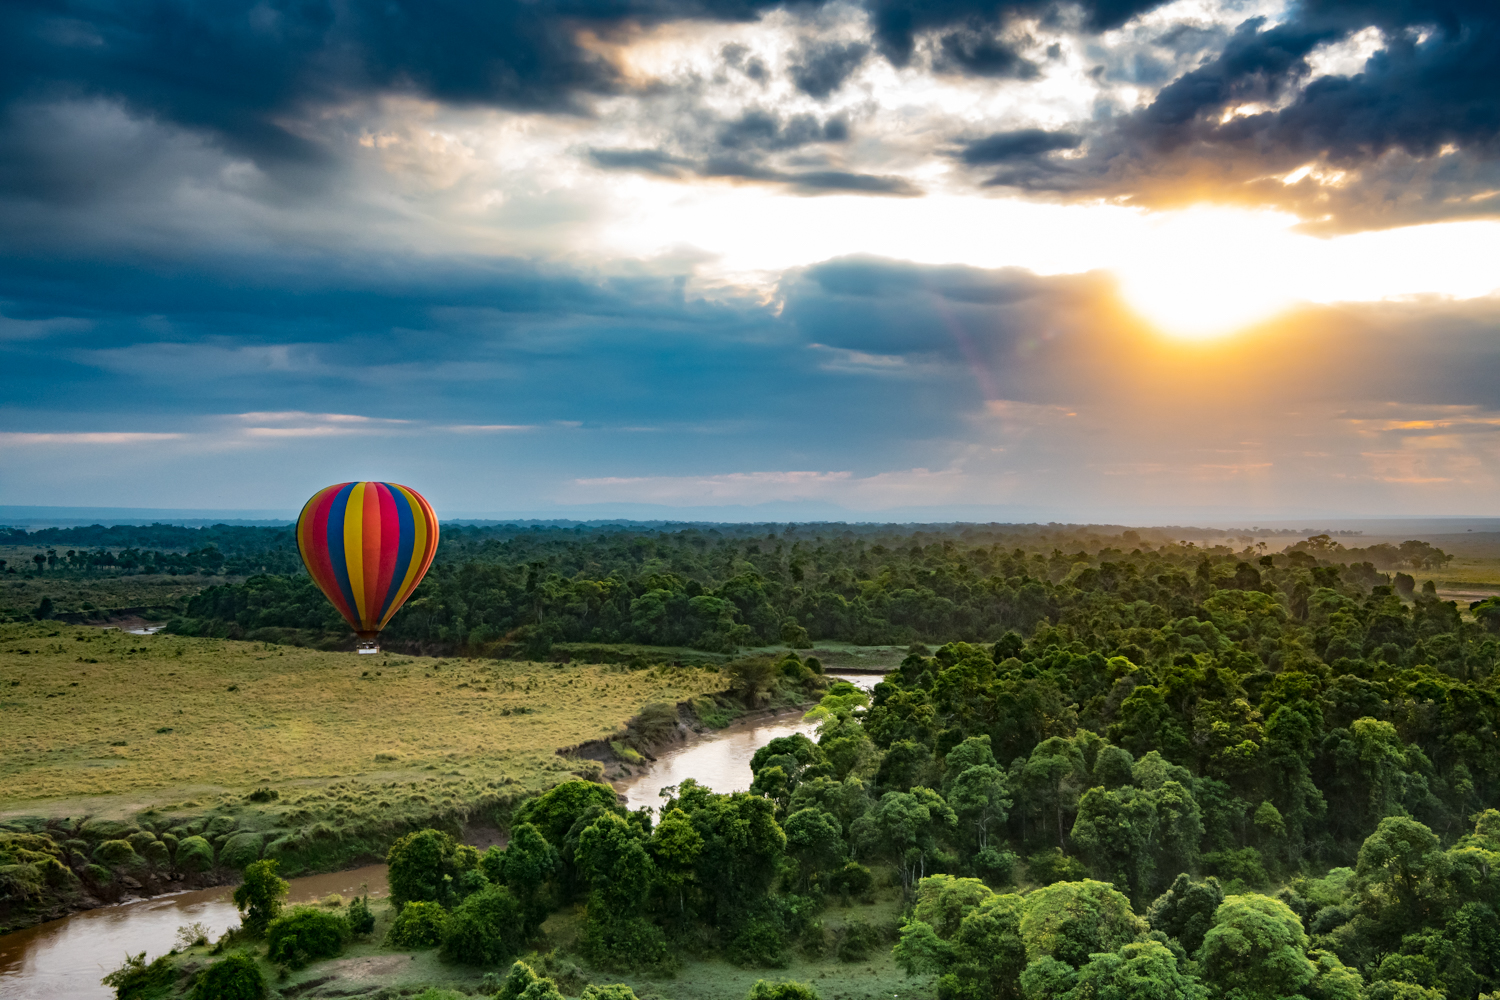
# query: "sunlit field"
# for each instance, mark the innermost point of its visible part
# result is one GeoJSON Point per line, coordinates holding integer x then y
{"type": "Point", "coordinates": [101, 721]}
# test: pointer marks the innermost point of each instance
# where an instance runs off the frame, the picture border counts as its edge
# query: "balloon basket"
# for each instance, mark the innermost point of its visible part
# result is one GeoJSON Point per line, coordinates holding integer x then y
{"type": "Point", "coordinates": [367, 646]}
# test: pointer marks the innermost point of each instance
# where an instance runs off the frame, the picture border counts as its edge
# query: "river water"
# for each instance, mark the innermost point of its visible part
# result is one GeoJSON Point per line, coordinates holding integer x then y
{"type": "Point", "coordinates": [65, 959]}
{"type": "Point", "coordinates": [720, 759]}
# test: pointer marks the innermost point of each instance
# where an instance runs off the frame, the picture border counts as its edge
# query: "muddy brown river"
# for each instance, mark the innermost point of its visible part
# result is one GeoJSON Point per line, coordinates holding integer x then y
{"type": "Point", "coordinates": [65, 959]}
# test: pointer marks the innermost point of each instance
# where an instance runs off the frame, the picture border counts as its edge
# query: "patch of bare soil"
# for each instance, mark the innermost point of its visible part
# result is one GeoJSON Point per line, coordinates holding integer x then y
{"type": "Point", "coordinates": [366, 968]}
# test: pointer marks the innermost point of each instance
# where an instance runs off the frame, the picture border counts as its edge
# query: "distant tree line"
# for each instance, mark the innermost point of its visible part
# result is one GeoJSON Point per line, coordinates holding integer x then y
{"type": "Point", "coordinates": [712, 591]}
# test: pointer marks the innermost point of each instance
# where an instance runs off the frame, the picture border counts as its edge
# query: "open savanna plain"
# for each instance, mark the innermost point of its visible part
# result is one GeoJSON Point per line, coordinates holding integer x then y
{"type": "Point", "coordinates": [105, 722]}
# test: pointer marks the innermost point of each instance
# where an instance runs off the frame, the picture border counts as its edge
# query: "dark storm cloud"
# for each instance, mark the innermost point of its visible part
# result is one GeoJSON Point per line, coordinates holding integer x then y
{"type": "Point", "coordinates": [239, 68]}
{"type": "Point", "coordinates": [821, 69]}
{"type": "Point", "coordinates": [1419, 123]}
{"type": "Point", "coordinates": [979, 53]}
{"type": "Point", "coordinates": [744, 148]}
{"type": "Point", "coordinates": [1020, 144]}
{"type": "Point", "coordinates": [898, 22]}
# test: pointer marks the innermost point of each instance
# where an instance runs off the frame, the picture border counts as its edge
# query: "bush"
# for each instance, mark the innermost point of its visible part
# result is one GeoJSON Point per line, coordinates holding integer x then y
{"type": "Point", "coordinates": [418, 925]}
{"type": "Point", "coordinates": [857, 941]}
{"type": "Point", "coordinates": [428, 866]}
{"type": "Point", "coordinates": [995, 867]}
{"type": "Point", "coordinates": [304, 934]}
{"type": "Point", "coordinates": [763, 990]}
{"type": "Point", "coordinates": [522, 983]}
{"type": "Point", "coordinates": [484, 929]}
{"type": "Point", "coordinates": [259, 897]}
{"type": "Point", "coordinates": [614, 991]}
{"type": "Point", "coordinates": [759, 944]}
{"type": "Point", "coordinates": [854, 880]}
{"type": "Point", "coordinates": [624, 943]}
{"type": "Point", "coordinates": [234, 978]}
{"type": "Point", "coordinates": [194, 855]}
{"type": "Point", "coordinates": [115, 853]}
{"type": "Point", "coordinates": [361, 918]}
{"type": "Point", "coordinates": [135, 980]}
{"type": "Point", "coordinates": [240, 850]}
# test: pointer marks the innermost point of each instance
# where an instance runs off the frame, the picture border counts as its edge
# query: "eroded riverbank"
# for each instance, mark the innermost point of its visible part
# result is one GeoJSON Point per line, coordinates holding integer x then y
{"type": "Point", "coordinates": [65, 958]}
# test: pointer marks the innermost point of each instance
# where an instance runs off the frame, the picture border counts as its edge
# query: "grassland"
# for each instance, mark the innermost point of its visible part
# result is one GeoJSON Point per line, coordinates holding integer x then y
{"type": "Point", "coordinates": [106, 723]}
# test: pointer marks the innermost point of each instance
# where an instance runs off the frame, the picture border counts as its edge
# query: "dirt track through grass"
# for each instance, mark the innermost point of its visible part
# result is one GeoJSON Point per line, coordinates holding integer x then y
{"type": "Point", "coordinates": [92, 717]}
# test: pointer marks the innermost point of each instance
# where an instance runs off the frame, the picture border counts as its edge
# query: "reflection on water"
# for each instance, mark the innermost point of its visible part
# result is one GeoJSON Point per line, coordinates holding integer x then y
{"type": "Point", "coordinates": [66, 958]}
{"type": "Point", "coordinates": [721, 759]}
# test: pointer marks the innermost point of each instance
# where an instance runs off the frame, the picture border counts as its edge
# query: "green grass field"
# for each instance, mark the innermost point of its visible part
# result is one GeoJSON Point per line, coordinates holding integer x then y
{"type": "Point", "coordinates": [107, 723]}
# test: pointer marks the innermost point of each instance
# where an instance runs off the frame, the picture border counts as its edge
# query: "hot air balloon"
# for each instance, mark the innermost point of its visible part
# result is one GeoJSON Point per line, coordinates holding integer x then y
{"type": "Point", "coordinates": [367, 546]}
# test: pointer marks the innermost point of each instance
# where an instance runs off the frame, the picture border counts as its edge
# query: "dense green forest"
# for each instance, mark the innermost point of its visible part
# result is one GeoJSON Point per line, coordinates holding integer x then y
{"type": "Point", "coordinates": [1291, 844]}
{"type": "Point", "coordinates": [1122, 766]}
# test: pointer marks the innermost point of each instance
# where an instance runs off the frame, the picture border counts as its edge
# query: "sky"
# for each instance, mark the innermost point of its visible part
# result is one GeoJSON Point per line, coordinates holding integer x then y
{"type": "Point", "coordinates": [1118, 260]}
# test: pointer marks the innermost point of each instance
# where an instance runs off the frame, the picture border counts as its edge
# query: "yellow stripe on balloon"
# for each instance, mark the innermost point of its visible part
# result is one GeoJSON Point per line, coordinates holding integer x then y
{"type": "Point", "coordinates": [418, 550]}
{"type": "Point", "coordinates": [354, 549]}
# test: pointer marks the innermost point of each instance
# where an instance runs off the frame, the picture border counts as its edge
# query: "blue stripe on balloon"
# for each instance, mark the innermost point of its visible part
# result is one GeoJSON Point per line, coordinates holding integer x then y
{"type": "Point", "coordinates": [404, 517]}
{"type": "Point", "coordinates": [337, 511]}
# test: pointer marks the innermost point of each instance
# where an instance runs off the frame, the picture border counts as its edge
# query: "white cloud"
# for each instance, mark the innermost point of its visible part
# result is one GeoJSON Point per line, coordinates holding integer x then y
{"type": "Point", "coordinates": [14, 438]}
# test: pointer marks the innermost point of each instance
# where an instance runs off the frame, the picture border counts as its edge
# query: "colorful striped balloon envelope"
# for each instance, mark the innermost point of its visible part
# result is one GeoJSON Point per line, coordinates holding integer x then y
{"type": "Point", "coordinates": [367, 546]}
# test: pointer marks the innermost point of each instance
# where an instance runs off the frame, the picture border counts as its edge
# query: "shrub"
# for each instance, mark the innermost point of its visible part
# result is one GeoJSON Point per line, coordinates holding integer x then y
{"type": "Point", "coordinates": [995, 867]}
{"type": "Point", "coordinates": [516, 980]}
{"type": "Point", "coordinates": [304, 934]}
{"type": "Point", "coordinates": [428, 866]}
{"type": "Point", "coordinates": [418, 925]}
{"type": "Point", "coordinates": [857, 941]}
{"type": "Point", "coordinates": [361, 919]}
{"type": "Point", "coordinates": [854, 879]}
{"type": "Point", "coordinates": [194, 854]}
{"type": "Point", "coordinates": [115, 853]}
{"type": "Point", "coordinates": [614, 991]}
{"type": "Point", "coordinates": [621, 942]}
{"type": "Point", "coordinates": [763, 990]}
{"type": "Point", "coordinates": [522, 983]}
{"type": "Point", "coordinates": [259, 896]}
{"type": "Point", "coordinates": [264, 795]}
{"type": "Point", "coordinates": [135, 980]}
{"type": "Point", "coordinates": [484, 929]}
{"type": "Point", "coordinates": [759, 944]}
{"type": "Point", "coordinates": [236, 977]}
{"type": "Point", "coordinates": [240, 850]}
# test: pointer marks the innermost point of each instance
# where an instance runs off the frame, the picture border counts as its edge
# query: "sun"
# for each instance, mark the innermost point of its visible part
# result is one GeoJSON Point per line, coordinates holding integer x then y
{"type": "Point", "coordinates": [1208, 272]}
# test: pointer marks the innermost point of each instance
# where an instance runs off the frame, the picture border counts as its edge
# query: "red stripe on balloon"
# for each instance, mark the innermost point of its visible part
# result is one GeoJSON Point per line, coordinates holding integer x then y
{"type": "Point", "coordinates": [315, 551]}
